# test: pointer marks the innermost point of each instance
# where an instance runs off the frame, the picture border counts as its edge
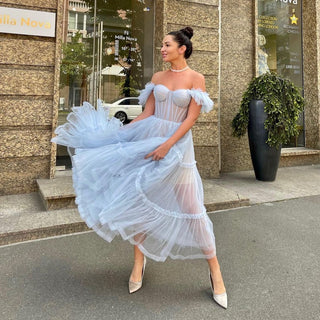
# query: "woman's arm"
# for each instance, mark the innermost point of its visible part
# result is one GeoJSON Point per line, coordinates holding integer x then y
{"type": "Point", "coordinates": [150, 104]}
{"type": "Point", "coordinates": [186, 125]}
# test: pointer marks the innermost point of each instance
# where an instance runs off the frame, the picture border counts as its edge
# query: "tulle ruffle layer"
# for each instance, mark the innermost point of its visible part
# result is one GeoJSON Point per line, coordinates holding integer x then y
{"type": "Point", "coordinates": [87, 127]}
{"type": "Point", "coordinates": [157, 205]}
{"type": "Point", "coordinates": [145, 204]}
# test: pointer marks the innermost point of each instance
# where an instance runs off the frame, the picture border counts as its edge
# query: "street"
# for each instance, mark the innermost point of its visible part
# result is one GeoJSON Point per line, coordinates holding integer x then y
{"type": "Point", "coordinates": [269, 256]}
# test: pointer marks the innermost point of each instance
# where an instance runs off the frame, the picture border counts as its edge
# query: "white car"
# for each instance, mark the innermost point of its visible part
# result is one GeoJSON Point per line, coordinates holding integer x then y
{"type": "Point", "coordinates": [124, 109]}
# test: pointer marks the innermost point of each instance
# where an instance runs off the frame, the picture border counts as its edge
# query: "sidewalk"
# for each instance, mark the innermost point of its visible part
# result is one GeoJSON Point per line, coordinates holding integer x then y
{"type": "Point", "coordinates": [23, 217]}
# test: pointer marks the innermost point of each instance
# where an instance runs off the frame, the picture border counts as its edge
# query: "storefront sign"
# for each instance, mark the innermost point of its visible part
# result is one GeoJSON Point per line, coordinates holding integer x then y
{"type": "Point", "coordinates": [28, 22]}
{"type": "Point", "coordinates": [288, 1]}
{"type": "Point", "coordinates": [125, 44]}
{"type": "Point", "coordinates": [268, 22]}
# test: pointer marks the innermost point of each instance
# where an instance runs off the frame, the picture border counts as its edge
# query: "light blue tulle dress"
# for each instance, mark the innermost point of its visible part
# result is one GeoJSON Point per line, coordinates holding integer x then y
{"type": "Point", "coordinates": [157, 205]}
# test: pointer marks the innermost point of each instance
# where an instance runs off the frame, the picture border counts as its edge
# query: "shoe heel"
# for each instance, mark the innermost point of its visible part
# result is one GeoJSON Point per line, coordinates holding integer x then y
{"type": "Point", "coordinates": [220, 299]}
{"type": "Point", "coordinates": [135, 286]}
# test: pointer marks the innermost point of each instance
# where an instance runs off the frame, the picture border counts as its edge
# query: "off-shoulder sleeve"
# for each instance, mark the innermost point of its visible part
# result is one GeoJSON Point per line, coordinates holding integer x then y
{"type": "Point", "coordinates": [202, 98]}
{"type": "Point", "coordinates": [145, 93]}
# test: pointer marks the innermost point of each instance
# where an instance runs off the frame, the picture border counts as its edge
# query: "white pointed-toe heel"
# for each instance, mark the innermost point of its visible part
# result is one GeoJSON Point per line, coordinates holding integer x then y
{"type": "Point", "coordinates": [135, 286]}
{"type": "Point", "coordinates": [220, 299]}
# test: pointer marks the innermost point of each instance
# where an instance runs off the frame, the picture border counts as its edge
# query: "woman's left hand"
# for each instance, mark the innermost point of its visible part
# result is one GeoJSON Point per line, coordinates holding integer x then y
{"type": "Point", "coordinates": [159, 153]}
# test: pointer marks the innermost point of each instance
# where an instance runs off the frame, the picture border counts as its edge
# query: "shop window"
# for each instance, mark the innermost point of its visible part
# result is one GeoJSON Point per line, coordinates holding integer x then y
{"type": "Point", "coordinates": [114, 62]}
{"type": "Point", "coordinates": [279, 44]}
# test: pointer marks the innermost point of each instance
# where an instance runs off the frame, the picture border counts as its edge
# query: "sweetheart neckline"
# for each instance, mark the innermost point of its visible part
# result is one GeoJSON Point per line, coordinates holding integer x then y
{"type": "Point", "coordinates": [160, 84]}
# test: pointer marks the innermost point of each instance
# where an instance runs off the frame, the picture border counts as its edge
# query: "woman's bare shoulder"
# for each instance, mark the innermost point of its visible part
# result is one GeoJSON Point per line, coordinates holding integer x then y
{"type": "Point", "coordinates": [198, 80]}
{"type": "Point", "coordinates": [156, 78]}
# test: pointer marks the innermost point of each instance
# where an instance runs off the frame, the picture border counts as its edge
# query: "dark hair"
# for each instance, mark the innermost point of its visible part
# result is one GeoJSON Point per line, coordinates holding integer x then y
{"type": "Point", "coordinates": [182, 37]}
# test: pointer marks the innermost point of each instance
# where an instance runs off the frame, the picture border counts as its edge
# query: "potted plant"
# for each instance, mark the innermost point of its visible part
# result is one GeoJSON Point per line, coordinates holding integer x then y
{"type": "Point", "coordinates": [270, 110]}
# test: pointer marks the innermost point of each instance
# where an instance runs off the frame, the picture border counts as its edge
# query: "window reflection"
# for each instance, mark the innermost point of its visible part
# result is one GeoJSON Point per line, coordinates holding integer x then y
{"type": "Point", "coordinates": [114, 64]}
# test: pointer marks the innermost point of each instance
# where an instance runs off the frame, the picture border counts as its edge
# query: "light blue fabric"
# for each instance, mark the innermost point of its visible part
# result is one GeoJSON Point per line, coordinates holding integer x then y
{"type": "Point", "coordinates": [157, 205]}
{"type": "Point", "coordinates": [201, 98]}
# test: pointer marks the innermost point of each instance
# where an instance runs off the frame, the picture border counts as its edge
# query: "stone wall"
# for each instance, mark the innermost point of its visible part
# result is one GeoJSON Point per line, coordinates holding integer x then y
{"type": "Point", "coordinates": [311, 51]}
{"type": "Point", "coordinates": [28, 102]}
{"type": "Point", "coordinates": [237, 69]}
{"type": "Point", "coordinates": [203, 17]}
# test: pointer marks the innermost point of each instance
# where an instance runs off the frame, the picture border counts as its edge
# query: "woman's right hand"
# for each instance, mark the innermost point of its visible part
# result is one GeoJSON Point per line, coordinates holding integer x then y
{"type": "Point", "coordinates": [160, 152]}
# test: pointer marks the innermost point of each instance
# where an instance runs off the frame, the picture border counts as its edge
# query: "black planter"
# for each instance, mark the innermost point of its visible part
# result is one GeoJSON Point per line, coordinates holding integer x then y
{"type": "Point", "coordinates": [265, 159]}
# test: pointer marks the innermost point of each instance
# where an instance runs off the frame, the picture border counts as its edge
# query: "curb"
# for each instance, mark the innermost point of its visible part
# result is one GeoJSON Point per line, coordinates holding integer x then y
{"type": "Point", "coordinates": [40, 233]}
{"type": "Point", "coordinates": [50, 228]}
{"type": "Point", "coordinates": [218, 206]}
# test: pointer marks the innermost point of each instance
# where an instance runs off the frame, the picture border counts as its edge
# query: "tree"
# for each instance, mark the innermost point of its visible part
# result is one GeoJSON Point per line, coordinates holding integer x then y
{"type": "Point", "coordinates": [75, 64]}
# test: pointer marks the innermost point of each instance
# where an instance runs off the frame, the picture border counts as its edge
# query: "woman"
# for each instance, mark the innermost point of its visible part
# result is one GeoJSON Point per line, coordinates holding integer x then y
{"type": "Point", "coordinates": [140, 180]}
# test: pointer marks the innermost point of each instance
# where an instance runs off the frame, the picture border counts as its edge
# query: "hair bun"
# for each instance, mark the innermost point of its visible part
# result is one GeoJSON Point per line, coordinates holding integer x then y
{"type": "Point", "coordinates": [188, 31]}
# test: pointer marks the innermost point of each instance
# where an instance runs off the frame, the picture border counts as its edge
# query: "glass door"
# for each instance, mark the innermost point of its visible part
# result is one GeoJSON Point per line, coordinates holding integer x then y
{"type": "Point", "coordinates": [107, 54]}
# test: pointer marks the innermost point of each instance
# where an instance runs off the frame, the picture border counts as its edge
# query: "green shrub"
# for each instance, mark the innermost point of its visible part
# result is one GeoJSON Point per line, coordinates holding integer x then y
{"type": "Point", "coordinates": [283, 105]}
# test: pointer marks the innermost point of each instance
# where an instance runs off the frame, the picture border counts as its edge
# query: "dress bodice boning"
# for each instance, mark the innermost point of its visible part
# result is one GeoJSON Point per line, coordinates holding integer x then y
{"type": "Point", "coordinates": [173, 105]}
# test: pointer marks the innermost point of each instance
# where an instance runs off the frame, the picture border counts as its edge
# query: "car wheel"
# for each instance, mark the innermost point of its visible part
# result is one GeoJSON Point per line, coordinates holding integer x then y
{"type": "Point", "coordinates": [121, 116]}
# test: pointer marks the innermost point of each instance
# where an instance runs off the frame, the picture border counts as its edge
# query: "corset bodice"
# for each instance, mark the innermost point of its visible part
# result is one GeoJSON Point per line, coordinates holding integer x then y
{"type": "Point", "coordinates": [171, 105]}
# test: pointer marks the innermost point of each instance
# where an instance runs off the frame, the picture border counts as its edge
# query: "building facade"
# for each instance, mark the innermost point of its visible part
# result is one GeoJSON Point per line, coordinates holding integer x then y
{"type": "Point", "coordinates": [110, 49]}
{"type": "Point", "coordinates": [29, 91]}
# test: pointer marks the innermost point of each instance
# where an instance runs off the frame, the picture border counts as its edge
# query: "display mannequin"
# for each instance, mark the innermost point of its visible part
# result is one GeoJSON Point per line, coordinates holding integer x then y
{"type": "Point", "coordinates": [262, 55]}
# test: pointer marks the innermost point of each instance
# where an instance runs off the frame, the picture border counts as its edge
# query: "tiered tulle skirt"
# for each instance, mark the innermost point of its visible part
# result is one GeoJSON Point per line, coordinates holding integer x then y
{"type": "Point", "coordinates": [157, 205]}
